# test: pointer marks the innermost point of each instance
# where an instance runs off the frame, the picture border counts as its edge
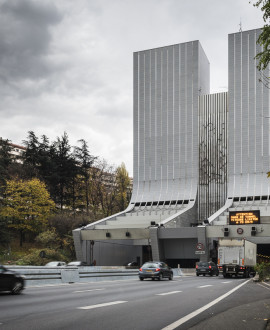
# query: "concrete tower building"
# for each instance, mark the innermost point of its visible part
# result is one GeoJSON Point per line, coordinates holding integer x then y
{"type": "Point", "coordinates": [167, 85]}
{"type": "Point", "coordinates": [197, 157]}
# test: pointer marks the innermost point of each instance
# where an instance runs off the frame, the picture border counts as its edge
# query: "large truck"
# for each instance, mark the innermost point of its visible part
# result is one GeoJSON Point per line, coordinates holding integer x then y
{"type": "Point", "coordinates": [236, 257]}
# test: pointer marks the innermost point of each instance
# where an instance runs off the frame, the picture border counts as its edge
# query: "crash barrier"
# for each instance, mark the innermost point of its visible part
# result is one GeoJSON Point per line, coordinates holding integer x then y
{"type": "Point", "coordinates": [38, 275]}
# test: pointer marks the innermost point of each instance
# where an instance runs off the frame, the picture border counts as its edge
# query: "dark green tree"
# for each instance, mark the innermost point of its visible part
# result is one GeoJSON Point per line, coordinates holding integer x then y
{"type": "Point", "coordinates": [31, 156]}
{"type": "Point", "coordinates": [5, 235]}
{"type": "Point", "coordinates": [64, 170]}
{"type": "Point", "coordinates": [85, 161]}
{"type": "Point", "coordinates": [5, 162]}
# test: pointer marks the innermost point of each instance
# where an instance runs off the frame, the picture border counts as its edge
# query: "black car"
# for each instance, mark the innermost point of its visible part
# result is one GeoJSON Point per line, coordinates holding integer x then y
{"type": "Point", "coordinates": [209, 268]}
{"type": "Point", "coordinates": [11, 281]}
{"type": "Point", "coordinates": [155, 269]}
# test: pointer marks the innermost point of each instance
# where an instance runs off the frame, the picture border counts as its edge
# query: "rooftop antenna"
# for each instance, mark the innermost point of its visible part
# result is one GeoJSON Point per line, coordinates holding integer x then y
{"type": "Point", "coordinates": [240, 26]}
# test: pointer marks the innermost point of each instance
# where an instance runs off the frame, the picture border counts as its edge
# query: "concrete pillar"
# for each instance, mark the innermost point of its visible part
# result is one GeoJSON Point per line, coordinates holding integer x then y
{"type": "Point", "coordinates": [201, 231]}
{"type": "Point", "coordinates": [78, 243]}
{"type": "Point", "coordinates": [156, 244]}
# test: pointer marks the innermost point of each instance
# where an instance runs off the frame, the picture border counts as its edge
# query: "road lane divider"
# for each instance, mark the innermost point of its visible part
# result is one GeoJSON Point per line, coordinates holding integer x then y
{"type": "Point", "coordinates": [102, 305]}
{"type": "Point", "coordinates": [265, 287]}
{"type": "Point", "coordinates": [81, 291]}
{"type": "Point", "coordinates": [167, 293]}
{"type": "Point", "coordinates": [204, 286]}
{"type": "Point", "coordinates": [188, 317]}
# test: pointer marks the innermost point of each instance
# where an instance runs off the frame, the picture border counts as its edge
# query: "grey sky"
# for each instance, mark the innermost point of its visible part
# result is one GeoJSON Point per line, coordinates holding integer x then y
{"type": "Point", "coordinates": [67, 65]}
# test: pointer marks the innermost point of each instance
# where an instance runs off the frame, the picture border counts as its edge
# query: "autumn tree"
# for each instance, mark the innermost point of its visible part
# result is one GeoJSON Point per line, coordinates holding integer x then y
{"type": "Point", "coordinates": [27, 205]}
{"type": "Point", "coordinates": [103, 190]}
{"type": "Point", "coordinates": [123, 187]}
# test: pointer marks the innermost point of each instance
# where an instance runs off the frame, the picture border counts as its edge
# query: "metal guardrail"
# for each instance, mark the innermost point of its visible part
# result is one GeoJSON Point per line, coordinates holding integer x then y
{"type": "Point", "coordinates": [38, 275]}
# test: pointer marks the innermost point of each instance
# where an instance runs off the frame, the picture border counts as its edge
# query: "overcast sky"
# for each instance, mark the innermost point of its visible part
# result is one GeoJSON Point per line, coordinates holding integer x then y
{"type": "Point", "coordinates": [67, 65]}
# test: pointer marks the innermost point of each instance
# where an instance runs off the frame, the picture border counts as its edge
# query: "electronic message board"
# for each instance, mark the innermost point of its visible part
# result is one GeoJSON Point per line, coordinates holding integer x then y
{"type": "Point", "coordinates": [244, 217]}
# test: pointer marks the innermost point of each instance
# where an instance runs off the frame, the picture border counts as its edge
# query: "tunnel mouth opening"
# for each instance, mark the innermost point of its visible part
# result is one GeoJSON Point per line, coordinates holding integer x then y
{"type": "Point", "coordinates": [263, 253]}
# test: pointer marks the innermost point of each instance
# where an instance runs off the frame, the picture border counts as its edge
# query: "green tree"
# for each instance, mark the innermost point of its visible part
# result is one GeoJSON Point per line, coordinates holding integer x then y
{"type": "Point", "coordinates": [85, 161]}
{"type": "Point", "coordinates": [27, 205]}
{"type": "Point", "coordinates": [64, 170]}
{"type": "Point", "coordinates": [4, 232]}
{"type": "Point", "coordinates": [264, 41]}
{"type": "Point", "coordinates": [31, 159]}
{"type": "Point", "coordinates": [5, 162]}
{"type": "Point", "coordinates": [264, 38]}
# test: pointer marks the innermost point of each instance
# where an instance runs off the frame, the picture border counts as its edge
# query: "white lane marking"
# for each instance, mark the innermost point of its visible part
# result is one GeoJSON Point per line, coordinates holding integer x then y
{"type": "Point", "coordinates": [265, 287]}
{"type": "Point", "coordinates": [202, 309]}
{"type": "Point", "coordinates": [102, 305]}
{"type": "Point", "coordinates": [204, 286]}
{"type": "Point", "coordinates": [166, 293]}
{"type": "Point", "coordinates": [88, 290]}
{"type": "Point", "coordinates": [227, 282]}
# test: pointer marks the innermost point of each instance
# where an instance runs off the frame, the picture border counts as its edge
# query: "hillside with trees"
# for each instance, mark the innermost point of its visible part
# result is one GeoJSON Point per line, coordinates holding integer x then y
{"type": "Point", "coordinates": [50, 189]}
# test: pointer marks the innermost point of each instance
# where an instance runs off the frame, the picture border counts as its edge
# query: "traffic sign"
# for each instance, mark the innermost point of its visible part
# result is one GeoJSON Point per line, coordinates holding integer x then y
{"type": "Point", "coordinates": [200, 246]}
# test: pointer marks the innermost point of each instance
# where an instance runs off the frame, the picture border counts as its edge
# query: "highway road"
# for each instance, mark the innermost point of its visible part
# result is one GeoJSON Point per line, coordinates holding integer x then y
{"type": "Point", "coordinates": [187, 302]}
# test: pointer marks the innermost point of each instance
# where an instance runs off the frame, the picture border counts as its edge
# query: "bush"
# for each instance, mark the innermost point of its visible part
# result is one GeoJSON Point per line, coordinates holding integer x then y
{"type": "Point", "coordinates": [33, 257]}
{"type": "Point", "coordinates": [263, 269]}
{"type": "Point", "coordinates": [48, 239]}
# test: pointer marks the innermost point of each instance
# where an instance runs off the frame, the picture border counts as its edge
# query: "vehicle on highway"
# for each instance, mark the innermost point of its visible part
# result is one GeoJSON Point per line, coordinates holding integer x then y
{"type": "Point", "coordinates": [77, 263]}
{"type": "Point", "coordinates": [155, 270]}
{"type": "Point", "coordinates": [237, 257]}
{"type": "Point", "coordinates": [11, 281]}
{"type": "Point", "coordinates": [206, 268]}
{"type": "Point", "coordinates": [55, 264]}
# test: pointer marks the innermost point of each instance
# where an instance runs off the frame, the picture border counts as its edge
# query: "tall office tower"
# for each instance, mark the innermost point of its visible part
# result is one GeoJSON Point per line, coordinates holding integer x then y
{"type": "Point", "coordinates": [167, 85]}
{"type": "Point", "coordinates": [248, 120]}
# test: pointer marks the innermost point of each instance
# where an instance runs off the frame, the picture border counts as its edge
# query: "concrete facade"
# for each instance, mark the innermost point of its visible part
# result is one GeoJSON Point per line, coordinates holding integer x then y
{"type": "Point", "coordinates": [197, 157]}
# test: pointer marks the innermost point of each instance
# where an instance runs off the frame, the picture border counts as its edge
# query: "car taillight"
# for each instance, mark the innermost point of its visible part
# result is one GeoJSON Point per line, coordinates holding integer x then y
{"type": "Point", "coordinates": [210, 267]}
{"type": "Point", "coordinates": [196, 266]}
{"type": "Point", "coordinates": [140, 269]}
{"type": "Point", "coordinates": [157, 269]}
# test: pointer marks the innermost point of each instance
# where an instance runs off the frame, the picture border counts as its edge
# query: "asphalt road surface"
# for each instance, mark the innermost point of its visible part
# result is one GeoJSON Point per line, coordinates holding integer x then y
{"type": "Point", "coordinates": [185, 303]}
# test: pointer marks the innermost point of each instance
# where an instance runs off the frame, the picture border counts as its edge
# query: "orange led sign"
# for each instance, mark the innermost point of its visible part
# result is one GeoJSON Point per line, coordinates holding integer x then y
{"type": "Point", "coordinates": [244, 218]}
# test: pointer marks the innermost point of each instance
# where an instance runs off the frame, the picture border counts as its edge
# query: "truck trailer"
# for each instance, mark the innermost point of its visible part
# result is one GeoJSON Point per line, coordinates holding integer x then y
{"type": "Point", "coordinates": [236, 257]}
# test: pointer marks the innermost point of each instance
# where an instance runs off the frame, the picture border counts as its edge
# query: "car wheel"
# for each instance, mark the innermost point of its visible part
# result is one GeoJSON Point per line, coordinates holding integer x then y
{"type": "Point", "coordinates": [141, 278]}
{"type": "Point", "coordinates": [152, 278]}
{"type": "Point", "coordinates": [160, 277]}
{"type": "Point", "coordinates": [217, 273]}
{"type": "Point", "coordinates": [171, 277]}
{"type": "Point", "coordinates": [203, 274]}
{"type": "Point", "coordinates": [17, 287]}
{"type": "Point", "coordinates": [197, 274]}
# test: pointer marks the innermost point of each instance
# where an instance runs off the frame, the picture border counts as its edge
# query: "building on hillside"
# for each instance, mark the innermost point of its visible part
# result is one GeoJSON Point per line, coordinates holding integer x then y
{"type": "Point", "coordinates": [197, 157]}
{"type": "Point", "coordinates": [17, 151]}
